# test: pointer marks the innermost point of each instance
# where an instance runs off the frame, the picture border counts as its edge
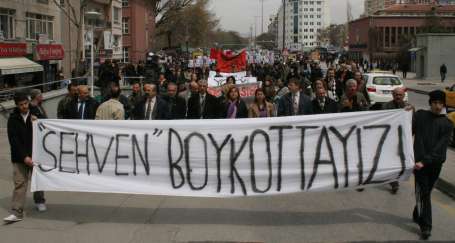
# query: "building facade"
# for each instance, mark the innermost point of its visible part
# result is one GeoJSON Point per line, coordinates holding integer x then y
{"type": "Point", "coordinates": [107, 29]}
{"type": "Point", "coordinates": [302, 21]}
{"type": "Point", "coordinates": [381, 36]}
{"type": "Point", "coordinates": [372, 6]}
{"type": "Point", "coordinates": [433, 50]}
{"type": "Point", "coordinates": [30, 34]}
{"type": "Point", "coordinates": [138, 29]}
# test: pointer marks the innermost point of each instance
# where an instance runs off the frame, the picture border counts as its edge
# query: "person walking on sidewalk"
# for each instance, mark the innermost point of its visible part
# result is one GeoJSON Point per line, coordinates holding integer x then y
{"type": "Point", "coordinates": [20, 136]}
{"type": "Point", "coordinates": [443, 72]}
{"type": "Point", "coordinates": [432, 131]}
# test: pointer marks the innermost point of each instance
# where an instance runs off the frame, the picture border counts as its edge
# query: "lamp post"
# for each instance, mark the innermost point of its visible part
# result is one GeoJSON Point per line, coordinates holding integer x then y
{"type": "Point", "coordinates": [92, 15]}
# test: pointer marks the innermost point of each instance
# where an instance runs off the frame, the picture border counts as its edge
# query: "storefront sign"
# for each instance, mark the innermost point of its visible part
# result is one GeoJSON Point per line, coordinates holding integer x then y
{"type": "Point", "coordinates": [13, 49]}
{"type": "Point", "coordinates": [49, 52]}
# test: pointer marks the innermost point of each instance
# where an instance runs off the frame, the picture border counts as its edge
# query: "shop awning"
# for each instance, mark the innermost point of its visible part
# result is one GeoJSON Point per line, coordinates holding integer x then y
{"type": "Point", "coordinates": [415, 49]}
{"type": "Point", "coordinates": [17, 65]}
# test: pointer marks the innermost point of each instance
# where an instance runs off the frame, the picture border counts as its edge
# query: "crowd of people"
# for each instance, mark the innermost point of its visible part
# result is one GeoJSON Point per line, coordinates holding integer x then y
{"type": "Point", "coordinates": [286, 90]}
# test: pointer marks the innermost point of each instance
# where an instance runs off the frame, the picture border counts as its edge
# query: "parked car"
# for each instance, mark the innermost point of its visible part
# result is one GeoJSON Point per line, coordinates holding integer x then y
{"type": "Point", "coordinates": [381, 85]}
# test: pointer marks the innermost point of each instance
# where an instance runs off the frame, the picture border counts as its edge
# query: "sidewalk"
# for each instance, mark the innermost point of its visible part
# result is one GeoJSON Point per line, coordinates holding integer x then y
{"type": "Point", "coordinates": [446, 181]}
{"type": "Point", "coordinates": [425, 86]}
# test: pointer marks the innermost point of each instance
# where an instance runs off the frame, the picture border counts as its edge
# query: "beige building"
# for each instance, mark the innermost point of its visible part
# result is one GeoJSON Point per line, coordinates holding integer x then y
{"type": "Point", "coordinates": [30, 31]}
{"type": "Point", "coordinates": [372, 6]}
{"type": "Point", "coordinates": [107, 29]}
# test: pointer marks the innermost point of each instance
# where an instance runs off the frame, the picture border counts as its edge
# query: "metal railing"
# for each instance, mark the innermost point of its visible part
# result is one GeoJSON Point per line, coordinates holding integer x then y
{"type": "Point", "coordinates": [8, 94]}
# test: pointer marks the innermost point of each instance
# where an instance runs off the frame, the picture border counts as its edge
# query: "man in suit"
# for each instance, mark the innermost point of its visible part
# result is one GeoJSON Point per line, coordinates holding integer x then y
{"type": "Point", "coordinates": [36, 107]}
{"type": "Point", "coordinates": [152, 107]}
{"type": "Point", "coordinates": [177, 105]}
{"type": "Point", "coordinates": [83, 107]}
{"type": "Point", "coordinates": [20, 136]}
{"type": "Point", "coordinates": [203, 105]}
{"type": "Point", "coordinates": [295, 102]}
{"type": "Point", "coordinates": [63, 103]}
{"type": "Point", "coordinates": [323, 104]}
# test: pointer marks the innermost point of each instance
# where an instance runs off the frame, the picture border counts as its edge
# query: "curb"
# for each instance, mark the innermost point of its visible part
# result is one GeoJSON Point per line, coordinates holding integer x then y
{"type": "Point", "coordinates": [446, 187]}
{"type": "Point", "coordinates": [418, 91]}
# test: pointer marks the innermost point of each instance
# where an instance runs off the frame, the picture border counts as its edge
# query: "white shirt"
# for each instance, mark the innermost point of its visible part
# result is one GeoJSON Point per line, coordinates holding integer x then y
{"type": "Point", "coordinates": [152, 104]}
{"type": "Point", "coordinates": [295, 102]}
{"type": "Point", "coordinates": [25, 116]}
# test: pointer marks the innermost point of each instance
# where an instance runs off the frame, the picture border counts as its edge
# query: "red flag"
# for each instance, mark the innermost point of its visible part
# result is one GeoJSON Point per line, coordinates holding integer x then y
{"type": "Point", "coordinates": [231, 64]}
{"type": "Point", "coordinates": [214, 53]}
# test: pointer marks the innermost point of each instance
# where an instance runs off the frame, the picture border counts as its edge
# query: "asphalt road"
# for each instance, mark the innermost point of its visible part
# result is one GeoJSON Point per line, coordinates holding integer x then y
{"type": "Point", "coordinates": [374, 215]}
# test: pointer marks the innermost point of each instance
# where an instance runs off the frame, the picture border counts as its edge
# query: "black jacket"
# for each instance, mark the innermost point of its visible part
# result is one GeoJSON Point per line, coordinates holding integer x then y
{"type": "Point", "coordinates": [432, 134]}
{"type": "Point", "coordinates": [286, 106]}
{"type": "Point", "coordinates": [160, 112]}
{"type": "Point", "coordinates": [242, 110]}
{"type": "Point", "coordinates": [211, 109]}
{"type": "Point", "coordinates": [20, 136]}
{"type": "Point", "coordinates": [177, 107]}
{"type": "Point", "coordinates": [91, 105]}
{"type": "Point", "coordinates": [330, 106]}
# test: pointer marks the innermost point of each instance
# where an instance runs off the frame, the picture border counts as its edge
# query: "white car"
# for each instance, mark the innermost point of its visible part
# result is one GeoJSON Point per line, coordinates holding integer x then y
{"type": "Point", "coordinates": [381, 85]}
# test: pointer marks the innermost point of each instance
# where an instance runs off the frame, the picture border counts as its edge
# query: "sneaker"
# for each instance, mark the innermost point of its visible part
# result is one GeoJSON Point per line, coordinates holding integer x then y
{"type": "Point", "coordinates": [41, 207]}
{"type": "Point", "coordinates": [426, 234]}
{"type": "Point", "coordinates": [12, 219]}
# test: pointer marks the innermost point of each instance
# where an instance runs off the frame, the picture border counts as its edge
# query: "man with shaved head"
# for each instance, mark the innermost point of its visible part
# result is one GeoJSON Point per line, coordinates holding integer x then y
{"type": "Point", "coordinates": [83, 107]}
{"type": "Point", "coordinates": [398, 102]}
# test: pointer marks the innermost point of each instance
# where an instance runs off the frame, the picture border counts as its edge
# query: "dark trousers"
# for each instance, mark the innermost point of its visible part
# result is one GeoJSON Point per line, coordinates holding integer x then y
{"type": "Point", "coordinates": [424, 183]}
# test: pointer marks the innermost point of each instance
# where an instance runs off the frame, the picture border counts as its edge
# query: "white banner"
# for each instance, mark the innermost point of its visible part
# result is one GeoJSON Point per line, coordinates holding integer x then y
{"type": "Point", "coordinates": [223, 158]}
{"type": "Point", "coordinates": [218, 82]}
{"type": "Point", "coordinates": [239, 75]}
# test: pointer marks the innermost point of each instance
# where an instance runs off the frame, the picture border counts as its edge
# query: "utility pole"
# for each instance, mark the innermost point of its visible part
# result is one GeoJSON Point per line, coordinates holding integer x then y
{"type": "Point", "coordinates": [284, 24]}
{"type": "Point", "coordinates": [255, 29]}
{"type": "Point", "coordinates": [262, 18]}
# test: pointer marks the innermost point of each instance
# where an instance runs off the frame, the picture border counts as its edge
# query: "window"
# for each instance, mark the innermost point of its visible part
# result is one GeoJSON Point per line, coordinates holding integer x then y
{"type": "Point", "coordinates": [43, 1]}
{"type": "Point", "coordinates": [386, 81]}
{"type": "Point", "coordinates": [126, 55]}
{"type": "Point", "coordinates": [124, 3]}
{"type": "Point", "coordinates": [39, 24]}
{"type": "Point", "coordinates": [7, 23]}
{"type": "Point", "coordinates": [125, 26]}
{"type": "Point", "coordinates": [116, 15]}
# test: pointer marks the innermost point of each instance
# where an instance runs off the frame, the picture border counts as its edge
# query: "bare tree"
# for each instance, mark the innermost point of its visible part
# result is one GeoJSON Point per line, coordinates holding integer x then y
{"type": "Point", "coordinates": [75, 17]}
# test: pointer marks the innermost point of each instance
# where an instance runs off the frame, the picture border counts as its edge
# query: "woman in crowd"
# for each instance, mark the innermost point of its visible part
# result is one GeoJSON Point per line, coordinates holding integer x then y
{"type": "Point", "coordinates": [234, 106]}
{"type": "Point", "coordinates": [260, 107]}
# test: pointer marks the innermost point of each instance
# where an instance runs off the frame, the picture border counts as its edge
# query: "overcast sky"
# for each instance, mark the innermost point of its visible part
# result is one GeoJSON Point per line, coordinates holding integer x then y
{"type": "Point", "coordinates": [239, 15]}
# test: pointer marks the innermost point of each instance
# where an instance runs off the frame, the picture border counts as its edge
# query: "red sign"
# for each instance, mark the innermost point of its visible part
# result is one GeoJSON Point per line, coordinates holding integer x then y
{"type": "Point", "coordinates": [13, 49]}
{"type": "Point", "coordinates": [49, 52]}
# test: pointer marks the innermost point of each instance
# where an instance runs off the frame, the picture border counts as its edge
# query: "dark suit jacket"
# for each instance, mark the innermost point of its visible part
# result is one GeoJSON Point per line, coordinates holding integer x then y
{"type": "Point", "coordinates": [177, 107]}
{"type": "Point", "coordinates": [211, 109]}
{"type": "Point", "coordinates": [242, 110]}
{"type": "Point", "coordinates": [20, 136]}
{"type": "Point", "coordinates": [286, 106]}
{"type": "Point", "coordinates": [36, 111]}
{"type": "Point", "coordinates": [160, 112]}
{"type": "Point", "coordinates": [91, 105]}
{"type": "Point", "coordinates": [330, 106]}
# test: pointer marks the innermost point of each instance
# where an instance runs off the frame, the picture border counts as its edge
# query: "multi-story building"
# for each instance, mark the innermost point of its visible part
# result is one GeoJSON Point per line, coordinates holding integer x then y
{"type": "Point", "coordinates": [381, 36]}
{"type": "Point", "coordinates": [138, 28]}
{"type": "Point", "coordinates": [107, 28]}
{"type": "Point", "coordinates": [31, 47]}
{"type": "Point", "coordinates": [303, 20]}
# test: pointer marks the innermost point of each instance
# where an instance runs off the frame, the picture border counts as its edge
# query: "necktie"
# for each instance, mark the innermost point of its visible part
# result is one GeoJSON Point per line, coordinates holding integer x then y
{"type": "Point", "coordinates": [295, 104]}
{"type": "Point", "coordinates": [149, 110]}
{"type": "Point", "coordinates": [82, 110]}
{"type": "Point", "coordinates": [202, 105]}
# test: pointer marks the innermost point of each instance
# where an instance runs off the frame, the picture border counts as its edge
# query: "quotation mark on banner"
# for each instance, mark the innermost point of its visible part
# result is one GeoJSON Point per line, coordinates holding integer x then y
{"type": "Point", "coordinates": [157, 132]}
{"type": "Point", "coordinates": [41, 126]}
